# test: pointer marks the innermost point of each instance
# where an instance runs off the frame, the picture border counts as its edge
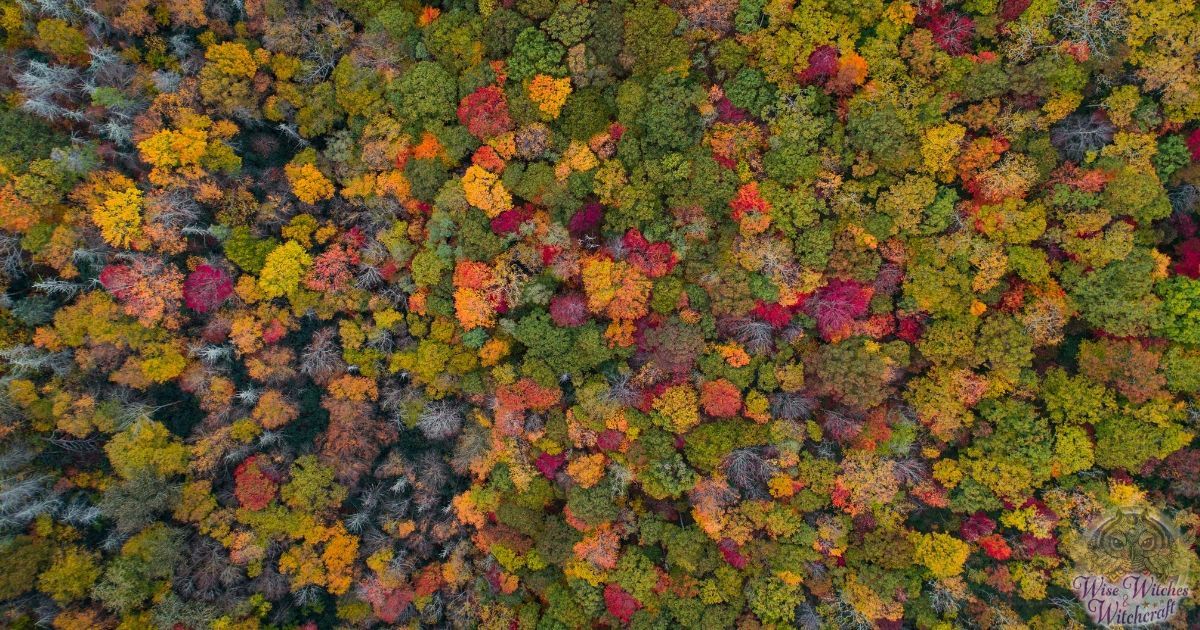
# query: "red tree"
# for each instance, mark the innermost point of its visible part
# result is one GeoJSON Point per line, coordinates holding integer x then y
{"type": "Point", "coordinates": [253, 487]}
{"type": "Point", "coordinates": [206, 288]}
{"type": "Point", "coordinates": [619, 603]}
{"type": "Point", "coordinates": [653, 259]}
{"type": "Point", "coordinates": [720, 398]}
{"type": "Point", "coordinates": [836, 305]}
{"type": "Point", "coordinates": [484, 112]}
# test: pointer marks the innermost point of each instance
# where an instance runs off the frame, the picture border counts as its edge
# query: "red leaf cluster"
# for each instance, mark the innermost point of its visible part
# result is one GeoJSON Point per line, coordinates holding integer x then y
{"type": "Point", "coordinates": [484, 112]}
{"type": "Point", "coordinates": [619, 603]}
{"type": "Point", "coordinates": [206, 288]}
{"type": "Point", "coordinates": [253, 487]}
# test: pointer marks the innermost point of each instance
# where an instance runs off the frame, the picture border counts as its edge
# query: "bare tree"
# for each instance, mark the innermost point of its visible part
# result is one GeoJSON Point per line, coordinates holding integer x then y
{"type": "Point", "coordinates": [46, 82]}
{"type": "Point", "coordinates": [941, 598]}
{"type": "Point", "coordinates": [621, 389]}
{"type": "Point", "coordinates": [210, 354]}
{"type": "Point", "coordinates": [175, 208]}
{"type": "Point", "coordinates": [909, 470]}
{"type": "Point", "coordinates": [166, 81]}
{"type": "Point", "coordinates": [79, 512]}
{"type": "Point", "coordinates": [12, 258]}
{"type": "Point", "coordinates": [748, 471]}
{"type": "Point", "coordinates": [807, 617]}
{"type": "Point", "coordinates": [847, 617]}
{"type": "Point", "coordinates": [792, 406]}
{"type": "Point", "coordinates": [62, 288]}
{"type": "Point", "coordinates": [756, 335]}
{"type": "Point", "coordinates": [472, 445]}
{"type": "Point", "coordinates": [137, 502]}
{"type": "Point", "coordinates": [1184, 198]}
{"type": "Point", "coordinates": [25, 359]}
{"type": "Point", "coordinates": [24, 498]}
{"type": "Point", "coordinates": [321, 357]}
{"type": "Point", "coordinates": [1100, 24]}
{"type": "Point", "coordinates": [1080, 133]}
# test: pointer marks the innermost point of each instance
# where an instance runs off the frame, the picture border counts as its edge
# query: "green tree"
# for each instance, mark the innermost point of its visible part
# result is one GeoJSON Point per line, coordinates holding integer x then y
{"type": "Point", "coordinates": [425, 93]}
{"type": "Point", "coordinates": [1180, 309]}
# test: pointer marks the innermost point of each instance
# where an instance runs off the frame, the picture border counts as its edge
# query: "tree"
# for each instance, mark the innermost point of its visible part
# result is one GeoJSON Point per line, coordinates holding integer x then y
{"type": "Point", "coordinates": [836, 306]}
{"type": "Point", "coordinates": [773, 600]}
{"type": "Point", "coordinates": [534, 53]}
{"type": "Point", "coordinates": [58, 38]}
{"type": "Point", "coordinates": [282, 270]}
{"type": "Point", "coordinates": [225, 78]}
{"type": "Point", "coordinates": [254, 487]}
{"type": "Point", "coordinates": [120, 217]}
{"type": "Point", "coordinates": [648, 28]}
{"type": "Point", "coordinates": [1124, 365]}
{"type": "Point", "coordinates": [1181, 309]}
{"type": "Point", "coordinates": [619, 603]}
{"type": "Point", "coordinates": [549, 94]}
{"type": "Point", "coordinates": [71, 573]}
{"type": "Point", "coordinates": [1119, 298]}
{"type": "Point", "coordinates": [426, 92]}
{"type": "Point", "coordinates": [354, 438]}
{"type": "Point", "coordinates": [859, 371]}
{"type": "Point", "coordinates": [308, 183]}
{"type": "Point", "coordinates": [615, 288]}
{"type": "Point", "coordinates": [678, 406]}
{"type": "Point", "coordinates": [206, 288]}
{"type": "Point", "coordinates": [485, 191]}
{"type": "Point", "coordinates": [146, 447]}
{"type": "Point", "coordinates": [484, 112]}
{"type": "Point", "coordinates": [148, 289]}
{"type": "Point", "coordinates": [720, 398]}
{"type": "Point", "coordinates": [145, 565]}
{"type": "Point", "coordinates": [943, 554]}
{"type": "Point", "coordinates": [1128, 443]}
{"type": "Point", "coordinates": [190, 151]}
{"type": "Point", "coordinates": [311, 487]}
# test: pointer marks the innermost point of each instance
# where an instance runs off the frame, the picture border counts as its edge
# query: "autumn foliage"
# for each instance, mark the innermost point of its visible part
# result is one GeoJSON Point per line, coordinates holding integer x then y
{"type": "Point", "coordinates": [529, 315]}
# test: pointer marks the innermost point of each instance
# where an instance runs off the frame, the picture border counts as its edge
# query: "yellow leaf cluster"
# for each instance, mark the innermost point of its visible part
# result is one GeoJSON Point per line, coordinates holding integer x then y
{"type": "Point", "coordinates": [168, 149]}
{"type": "Point", "coordinates": [680, 405]}
{"type": "Point", "coordinates": [577, 158]}
{"type": "Point", "coordinates": [119, 217]}
{"type": "Point", "coordinates": [940, 147]}
{"type": "Point", "coordinates": [943, 554]}
{"type": "Point", "coordinates": [484, 190]}
{"type": "Point", "coordinates": [356, 388]}
{"type": "Point", "coordinates": [146, 446]}
{"type": "Point", "coordinates": [283, 269]}
{"type": "Point", "coordinates": [868, 602]}
{"type": "Point", "coordinates": [197, 144]}
{"type": "Point", "coordinates": [162, 362]}
{"type": "Point", "coordinates": [308, 183]}
{"type": "Point", "coordinates": [947, 472]}
{"type": "Point", "coordinates": [231, 59]}
{"type": "Point", "coordinates": [493, 351]}
{"type": "Point", "coordinates": [549, 94]}
{"type": "Point", "coordinates": [338, 556]}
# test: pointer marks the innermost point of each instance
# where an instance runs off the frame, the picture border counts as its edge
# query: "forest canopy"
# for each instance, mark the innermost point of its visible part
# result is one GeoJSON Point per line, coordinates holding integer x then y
{"type": "Point", "coordinates": [556, 314]}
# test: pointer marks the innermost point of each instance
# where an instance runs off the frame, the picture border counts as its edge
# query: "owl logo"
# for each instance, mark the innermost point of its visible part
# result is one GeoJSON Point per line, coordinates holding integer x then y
{"type": "Point", "coordinates": [1133, 541]}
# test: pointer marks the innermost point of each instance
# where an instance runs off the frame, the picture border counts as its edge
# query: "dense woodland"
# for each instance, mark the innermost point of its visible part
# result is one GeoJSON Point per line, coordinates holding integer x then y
{"type": "Point", "coordinates": [538, 314]}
